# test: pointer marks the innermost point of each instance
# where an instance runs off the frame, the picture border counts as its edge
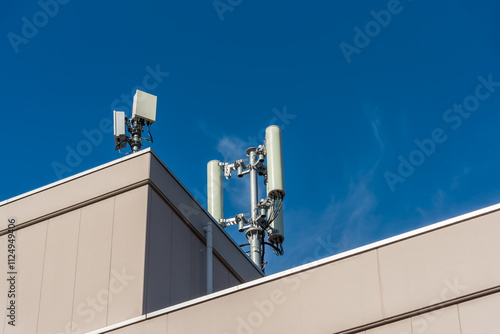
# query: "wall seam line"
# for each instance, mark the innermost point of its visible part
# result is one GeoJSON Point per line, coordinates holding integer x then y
{"type": "Point", "coordinates": [43, 272]}
{"type": "Point", "coordinates": [382, 305]}
{"type": "Point", "coordinates": [76, 268]}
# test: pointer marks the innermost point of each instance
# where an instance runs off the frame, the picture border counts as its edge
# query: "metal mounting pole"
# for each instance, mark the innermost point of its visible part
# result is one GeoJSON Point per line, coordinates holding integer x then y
{"type": "Point", "coordinates": [136, 143]}
{"type": "Point", "coordinates": [254, 233]}
{"type": "Point", "coordinates": [136, 131]}
{"type": "Point", "coordinates": [254, 238]}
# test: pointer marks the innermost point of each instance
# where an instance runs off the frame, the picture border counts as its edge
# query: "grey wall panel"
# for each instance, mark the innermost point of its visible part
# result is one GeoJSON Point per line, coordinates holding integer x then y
{"type": "Point", "coordinates": [159, 254]}
{"type": "Point", "coordinates": [221, 275]}
{"type": "Point", "coordinates": [233, 281]}
{"type": "Point", "coordinates": [174, 247]}
{"type": "Point", "coordinates": [66, 194]}
{"type": "Point", "coordinates": [198, 267]}
{"type": "Point", "coordinates": [480, 316]}
{"type": "Point", "coordinates": [180, 281]}
{"type": "Point", "coordinates": [441, 265]}
{"type": "Point", "coordinates": [59, 270]}
{"type": "Point", "coordinates": [198, 218]}
{"type": "Point", "coordinates": [92, 289]}
{"type": "Point", "coordinates": [128, 255]}
{"type": "Point", "coordinates": [30, 253]}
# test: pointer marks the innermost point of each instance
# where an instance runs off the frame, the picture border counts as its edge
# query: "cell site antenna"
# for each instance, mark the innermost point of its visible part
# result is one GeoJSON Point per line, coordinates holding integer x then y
{"type": "Point", "coordinates": [143, 114]}
{"type": "Point", "coordinates": [266, 215]}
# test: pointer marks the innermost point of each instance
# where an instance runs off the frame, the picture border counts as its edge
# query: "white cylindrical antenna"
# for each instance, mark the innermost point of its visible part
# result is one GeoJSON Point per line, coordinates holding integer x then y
{"type": "Point", "coordinates": [275, 180]}
{"type": "Point", "coordinates": [214, 190]}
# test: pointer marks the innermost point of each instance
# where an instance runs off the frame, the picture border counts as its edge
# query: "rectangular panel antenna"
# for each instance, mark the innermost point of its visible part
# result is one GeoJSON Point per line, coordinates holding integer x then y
{"type": "Point", "coordinates": [144, 107]}
{"type": "Point", "coordinates": [119, 129]}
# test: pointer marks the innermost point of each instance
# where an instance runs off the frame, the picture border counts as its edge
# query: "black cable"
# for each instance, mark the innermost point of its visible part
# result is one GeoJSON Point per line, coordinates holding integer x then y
{"type": "Point", "coordinates": [149, 132]}
{"type": "Point", "coordinates": [263, 248]}
{"type": "Point", "coordinates": [275, 209]}
{"type": "Point", "coordinates": [276, 249]}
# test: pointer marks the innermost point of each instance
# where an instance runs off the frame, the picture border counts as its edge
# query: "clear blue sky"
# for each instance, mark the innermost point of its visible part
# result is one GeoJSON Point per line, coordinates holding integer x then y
{"type": "Point", "coordinates": [361, 90]}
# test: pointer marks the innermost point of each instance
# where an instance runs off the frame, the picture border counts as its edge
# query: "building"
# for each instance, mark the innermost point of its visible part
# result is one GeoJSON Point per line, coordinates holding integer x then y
{"type": "Point", "coordinates": [121, 249]}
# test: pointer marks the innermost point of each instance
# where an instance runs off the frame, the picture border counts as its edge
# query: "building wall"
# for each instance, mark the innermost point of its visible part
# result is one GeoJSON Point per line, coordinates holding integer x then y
{"type": "Point", "coordinates": [83, 269]}
{"type": "Point", "coordinates": [444, 279]}
{"type": "Point", "coordinates": [478, 316]}
{"type": "Point", "coordinates": [109, 245]}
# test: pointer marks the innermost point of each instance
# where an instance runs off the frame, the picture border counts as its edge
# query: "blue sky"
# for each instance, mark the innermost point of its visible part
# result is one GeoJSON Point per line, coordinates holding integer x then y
{"type": "Point", "coordinates": [389, 109]}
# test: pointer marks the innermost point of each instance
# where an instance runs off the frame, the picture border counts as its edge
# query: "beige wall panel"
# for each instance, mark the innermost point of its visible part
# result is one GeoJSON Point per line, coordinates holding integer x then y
{"type": "Point", "coordinates": [152, 326]}
{"type": "Point", "coordinates": [159, 254]}
{"type": "Point", "coordinates": [441, 265]}
{"type": "Point", "coordinates": [199, 319]}
{"type": "Point", "coordinates": [443, 321]}
{"type": "Point", "coordinates": [198, 267]}
{"type": "Point", "coordinates": [93, 266]}
{"type": "Point", "coordinates": [400, 327]}
{"type": "Point", "coordinates": [56, 303]}
{"type": "Point", "coordinates": [180, 280]}
{"type": "Point", "coordinates": [3, 286]}
{"type": "Point", "coordinates": [77, 190]}
{"type": "Point", "coordinates": [348, 288]}
{"type": "Point", "coordinates": [269, 308]}
{"type": "Point", "coordinates": [480, 316]}
{"type": "Point", "coordinates": [128, 255]}
{"type": "Point", "coordinates": [30, 252]}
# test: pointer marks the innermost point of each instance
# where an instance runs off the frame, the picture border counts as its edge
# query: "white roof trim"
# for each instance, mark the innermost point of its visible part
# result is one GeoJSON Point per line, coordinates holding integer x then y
{"type": "Point", "coordinates": [76, 176]}
{"type": "Point", "coordinates": [118, 325]}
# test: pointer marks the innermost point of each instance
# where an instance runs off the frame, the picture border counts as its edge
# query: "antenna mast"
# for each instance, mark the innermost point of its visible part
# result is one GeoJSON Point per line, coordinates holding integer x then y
{"type": "Point", "coordinates": [143, 113]}
{"type": "Point", "coordinates": [266, 215]}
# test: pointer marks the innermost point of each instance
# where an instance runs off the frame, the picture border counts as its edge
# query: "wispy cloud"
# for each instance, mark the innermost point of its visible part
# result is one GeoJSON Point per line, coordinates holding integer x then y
{"type": "Point", "coordinates": [371, 112]}
{"type": "Point", "coordinates": [233, 148]}
{"type": "Point", "coordinates": [344, 224]}
{"type": "Point", "coordinates": [347, 220]}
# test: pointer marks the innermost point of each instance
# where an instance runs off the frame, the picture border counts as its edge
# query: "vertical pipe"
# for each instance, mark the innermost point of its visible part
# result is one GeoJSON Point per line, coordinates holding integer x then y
{"type": "Point", "coordinates": [208, 231]}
